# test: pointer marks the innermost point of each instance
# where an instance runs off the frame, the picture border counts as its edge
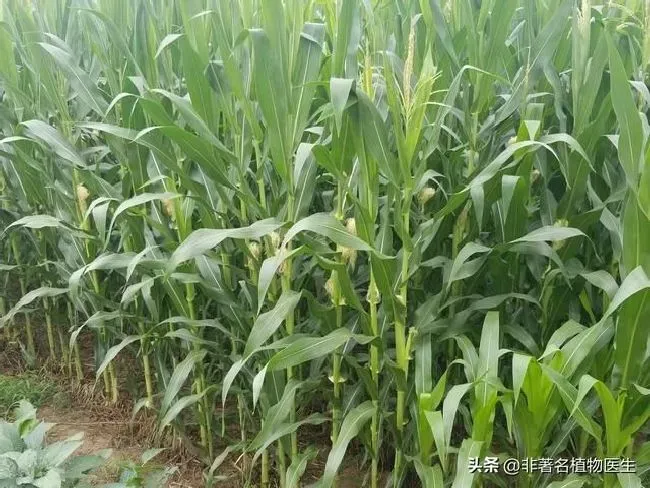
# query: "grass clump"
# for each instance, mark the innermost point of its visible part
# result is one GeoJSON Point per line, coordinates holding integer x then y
{"type": "Point", "coordinates": [26, 386]}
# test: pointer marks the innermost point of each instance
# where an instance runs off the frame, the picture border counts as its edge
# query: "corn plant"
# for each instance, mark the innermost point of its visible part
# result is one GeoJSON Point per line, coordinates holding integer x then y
{"type": "Point", "coordinates": [393, 235]}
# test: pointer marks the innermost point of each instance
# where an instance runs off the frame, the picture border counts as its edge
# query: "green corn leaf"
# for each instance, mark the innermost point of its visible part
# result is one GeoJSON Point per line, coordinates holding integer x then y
{"type": "Point", "coordinates": [450, 408]}
{"type": "Point", "coordinates": [29, 297]}
{"type": "Point", "coordinates": [229, 378]}
{"type": "Point", "coordinates": [438, 25]}
{"type": "Point", "coordinates": [271, 90]}
{"type": "Point", "coordinates": [267, 323]}
{"type": "Point", "coordinates": [423, 361]}
{"type": "Point", "coordinates": [167, 41]}
{"type": "Point", "coordinates": [629, 480]}
{"type": "Point", "coordinates": [196, 148]}
{"type": "Point", "coordinates": [572, 481]}
{"type": "Point", "coordinates": [8, 68]}
{"type": "Point", "coordinates": [42, 132]}
{"type": "Point", "coordinates": [430, 476]}
{"type": "Point", "coordinates": [632, 330]}
{"type": "Point", "coordinates": [603, 280]}
{"type": "Point", "coordinates": [631, 140]}
{"type": "Point", "coordinates": [308, 348]}
{"type": "Point", "coordinates": [197, 83]}
{"type": "Point", "coordinates": [348, 34]}
{"type": "Point", "coordinates": [286, 429]}
{"type": "Point", "coordinates": [375, 136]}
{"type": "Point", "coordinates": [307, 67]}
{"type": "Point", "coordinates": [132, 292]}
{"type": "Point", "coordinates": [350, 427]}
{"type": "Point", "coordinates": [107, 261]}
{"type": "Point", "coordinates": [461, 268]}
{"type": "Point", "coordinates": [457, 199]}
{"type": "Point", "coordinates": [488, 354]}
{"type": "Point", "coordinates": [326, 225]}
{"type": "Point", "coordinates": [190, 338]}
{"type": "Point", "coordinates": [276, 415]}
{"type": "Point", "coordinates": [468, 449]}
{"type": "Point", "coordinates": [305, 171]}
{"type": "Point", "coordinates": [637, 281]}
{"type": "Point", "coordinates": [202, 240]}
{"type": "Point", "coordinates": [436, 425]}
{"type": "Point", "coordinates": [520, 364]}
{"type": "Point", "coordinates": [268, 271]}
{"type": "Point", "coordinates": [297, 468]}
{"type": "Point", "coordinates": [339, 93]}
{"type": "Point", "coordinates": [113, 352]}
{"type": "Point", "coordinates": [568, 330]}
{"type": "Point", "coordinates": [636, 236]}
{"type": "Point", "coordinates": [178, 378]}
{"type": "Point", "coordinates": [470, 356]}
{"type": "Point", "coordinates": [79, 79]}
{"type": "Point", "coordinates": [194, 120]}
{"type": "Point", "coordinates": [584, 344]}
{"type": "Point", "coordinates": [569, 396]}
{"type": "Point", "coordinates": [542, 49]}
{"type": "Point", "coordinates": [212, 323]}
{"type": "Point", "coordinates": [177, 407]}
{"type": "Point", "coordinates": [427, 403]}
{"type": "Point", "coordinates": [39, 222]}
{"type": "Point", "coordinates": [611, 412]}
{"type": "Point", "coordinates": [96, 319]}
{"type": "Point", "coordinates": [550, 233]}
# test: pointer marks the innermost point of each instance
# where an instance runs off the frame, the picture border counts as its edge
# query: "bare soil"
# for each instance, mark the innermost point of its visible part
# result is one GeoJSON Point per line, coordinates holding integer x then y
{"type": "Point", "coordinates": [109, 428]}
{"type": "Point", "coordinates": [83, 408]}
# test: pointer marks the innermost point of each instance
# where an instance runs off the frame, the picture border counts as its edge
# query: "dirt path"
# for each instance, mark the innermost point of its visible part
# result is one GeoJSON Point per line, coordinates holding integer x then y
{"type": "Point", "coordinates": [75, 408]}
{"type": "Point", "coordinates": [103, 429]}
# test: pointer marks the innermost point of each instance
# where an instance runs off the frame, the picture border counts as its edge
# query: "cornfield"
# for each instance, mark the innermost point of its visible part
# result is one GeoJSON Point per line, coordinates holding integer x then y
{"type": "Point", "coordinates": [401, 235]}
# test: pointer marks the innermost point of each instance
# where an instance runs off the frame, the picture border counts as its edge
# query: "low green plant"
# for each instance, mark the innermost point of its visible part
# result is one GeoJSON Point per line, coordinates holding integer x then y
{"type": "Point", "coordinates": [27, 461]}
{"type": "Point", "coordinates": [144, 474]}
{"type": "Point", "coordinates": [32, 388]}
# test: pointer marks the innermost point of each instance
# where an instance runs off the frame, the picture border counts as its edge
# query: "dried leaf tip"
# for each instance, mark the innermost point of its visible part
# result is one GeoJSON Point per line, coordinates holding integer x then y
{"type": "Point", "coordinates": [646, 39]}
{"type": "Point", "coordinates": [408, 67]}
{"type": "Point", "coordinates": [534, 175]}
{"type": "Point", "coordinates": [255, 250]}
{"type": "Point", "coordinates": [168, 207]}
{"type": "Point", "coordinates": [426, 194]}
{"type": "Point", "coordinates": [557, 245]}
{"type": "Point", "coordinates": [351, 226]}
{"type": "Point", "coordinates": [276, 241]}
{"type": "Point", "coordinates": [349, 255]}
{"type": "Point", "coordinates": [82, 193]}
{"type": "Point", "coordinates": [329, 287]}
{"type": "Point", "coordinates": [561, 223]}
{"type": "Point", "coordinates": [333, 290]}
